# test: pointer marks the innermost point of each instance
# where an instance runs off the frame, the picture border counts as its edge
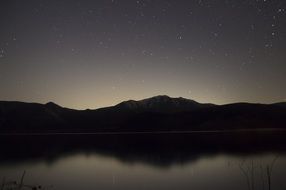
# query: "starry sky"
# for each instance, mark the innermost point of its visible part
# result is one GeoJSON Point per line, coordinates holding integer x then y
{"type": "Point", "coordinates": [95, 53]}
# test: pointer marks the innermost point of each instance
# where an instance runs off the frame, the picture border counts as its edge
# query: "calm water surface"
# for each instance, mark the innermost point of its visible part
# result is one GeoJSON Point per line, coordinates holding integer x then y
{"type": "Point", "coordinates": [153, 162]}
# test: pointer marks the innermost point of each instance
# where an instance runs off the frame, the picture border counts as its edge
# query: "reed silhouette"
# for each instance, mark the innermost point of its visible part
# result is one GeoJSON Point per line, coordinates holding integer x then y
{"type": "Point", "coordinates": [20, 185]}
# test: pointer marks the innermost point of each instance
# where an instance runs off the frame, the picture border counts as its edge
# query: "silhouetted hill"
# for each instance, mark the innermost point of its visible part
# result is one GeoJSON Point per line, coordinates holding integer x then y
{"type": "Point", "coordinates": [16, 116]}
{"type": "Point", "coordinates": [160, 113]}
{"type": "Point", "coordinates": [161, 104]}
{"type": "Point", "coordinates": [281, 104]}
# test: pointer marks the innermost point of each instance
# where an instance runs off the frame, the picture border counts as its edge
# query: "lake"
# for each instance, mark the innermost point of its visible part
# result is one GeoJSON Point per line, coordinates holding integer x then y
{"type": "Point", "coordinates": [197, 161]}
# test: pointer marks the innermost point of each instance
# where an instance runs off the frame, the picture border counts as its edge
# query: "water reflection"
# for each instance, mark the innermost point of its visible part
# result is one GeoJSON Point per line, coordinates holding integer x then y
{"type": "Point", "coordinates": [169, 161]}
{"type": "Point", "coordinates": [161, 150]}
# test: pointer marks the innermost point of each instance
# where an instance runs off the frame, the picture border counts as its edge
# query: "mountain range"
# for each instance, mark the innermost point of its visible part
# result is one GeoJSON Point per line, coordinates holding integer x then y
{"type": "Point", "coordinates": [156, 114]}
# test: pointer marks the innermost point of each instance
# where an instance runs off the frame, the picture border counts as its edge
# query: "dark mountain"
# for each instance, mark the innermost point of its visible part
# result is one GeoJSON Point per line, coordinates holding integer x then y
{"type": "Point", "coordinates": [161, 104]}
{"type": "Point", "coordinates": [281, 104]}
{"type": "Point", "coordinates": [160, 113]}
{"type": "Point", "coordinates": [16, 116]}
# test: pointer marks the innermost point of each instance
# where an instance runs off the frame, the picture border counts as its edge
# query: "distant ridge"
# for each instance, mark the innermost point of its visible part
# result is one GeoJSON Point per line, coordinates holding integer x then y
{"type": "Point", "coordinates": [163, 104]}
{"type": "Point", "coordinates": [159, 113]}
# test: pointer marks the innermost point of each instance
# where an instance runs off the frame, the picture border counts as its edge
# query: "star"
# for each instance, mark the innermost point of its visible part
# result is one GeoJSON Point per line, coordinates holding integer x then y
{"type": "Point", "coordinates": [180, 37]}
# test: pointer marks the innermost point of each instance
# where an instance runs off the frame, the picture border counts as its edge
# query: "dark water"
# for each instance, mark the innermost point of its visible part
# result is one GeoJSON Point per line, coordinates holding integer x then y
{"type": "Point", "coordinates": [205, 161]}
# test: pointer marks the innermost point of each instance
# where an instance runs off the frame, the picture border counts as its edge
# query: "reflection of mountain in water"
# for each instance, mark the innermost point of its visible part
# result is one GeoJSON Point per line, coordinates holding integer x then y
{"type": "Point", "coordinates": [162, 150]}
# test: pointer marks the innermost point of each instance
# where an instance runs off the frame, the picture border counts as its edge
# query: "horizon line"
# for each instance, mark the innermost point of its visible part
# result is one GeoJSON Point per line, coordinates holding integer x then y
{"type": "Point", "coordinates": [179, 97]}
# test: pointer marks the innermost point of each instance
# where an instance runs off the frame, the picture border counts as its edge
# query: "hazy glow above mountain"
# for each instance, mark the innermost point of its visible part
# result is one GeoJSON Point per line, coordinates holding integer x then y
{"type": "Point", "coordinates": [91, 54]}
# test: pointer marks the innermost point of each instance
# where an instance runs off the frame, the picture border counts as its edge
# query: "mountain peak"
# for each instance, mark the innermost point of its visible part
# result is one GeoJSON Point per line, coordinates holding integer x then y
{"type": "Point", "coordinates": [160, 97]}
{"type": "Point", "coordinates": [52, 105]}
{"type": "Point", "coordinates": [166, 98]}
{"type": "Point", "coordinates": [160, 103]}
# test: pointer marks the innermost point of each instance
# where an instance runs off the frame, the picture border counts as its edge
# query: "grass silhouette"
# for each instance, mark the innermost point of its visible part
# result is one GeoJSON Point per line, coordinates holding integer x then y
{"type": "Point", "coordinates": [19, 185]}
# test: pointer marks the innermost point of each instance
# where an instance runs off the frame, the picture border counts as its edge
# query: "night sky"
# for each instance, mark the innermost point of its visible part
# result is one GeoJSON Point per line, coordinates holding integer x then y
{"type": "Point", "coordinates": [90, 54]}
